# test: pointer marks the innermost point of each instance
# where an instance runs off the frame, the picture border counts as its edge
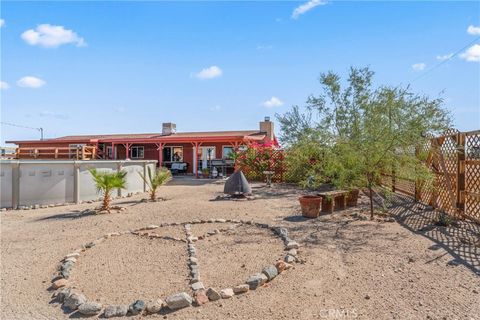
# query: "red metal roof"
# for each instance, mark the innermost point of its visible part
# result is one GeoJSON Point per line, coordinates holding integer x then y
{"type": "Point", "coordinates": [144, 137]}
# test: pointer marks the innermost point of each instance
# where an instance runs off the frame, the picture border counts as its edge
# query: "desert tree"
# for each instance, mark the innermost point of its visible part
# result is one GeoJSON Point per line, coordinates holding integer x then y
{"type": "Point", "coordinates": [372, 130]}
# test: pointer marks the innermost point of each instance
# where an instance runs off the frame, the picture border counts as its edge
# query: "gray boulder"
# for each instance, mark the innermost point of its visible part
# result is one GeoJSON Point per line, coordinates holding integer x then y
{"type": "Point", "coordinates": [178, 301]}
{"type": "Point", "coordinates": [270, 271]}
{"type": "Point", "coordinates": [90, 308]}
{"type": "Point", "coordinates": [256, 281]}
{"type": "Point", "coordinates": [136, 307]}
{"type": "Point", "coordinates": [213, 294]}
{"type": "Point", "coordinates": [115, 311]}
{"type": "Point", "coordinates": [74, 300]}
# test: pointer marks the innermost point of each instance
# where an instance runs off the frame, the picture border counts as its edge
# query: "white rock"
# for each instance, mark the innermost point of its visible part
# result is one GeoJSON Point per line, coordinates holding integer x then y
{"type": "Point", "coordinates": [226, 293]}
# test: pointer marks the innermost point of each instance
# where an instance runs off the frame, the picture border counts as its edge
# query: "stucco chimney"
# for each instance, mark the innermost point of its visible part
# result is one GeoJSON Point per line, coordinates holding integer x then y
{"type": "Point", "coordinates": [267, 126]}
{"type": "Point", "coordinates": [168, 128]}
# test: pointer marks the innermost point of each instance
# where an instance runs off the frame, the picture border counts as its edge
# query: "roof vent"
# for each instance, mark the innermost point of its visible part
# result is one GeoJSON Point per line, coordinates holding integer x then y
{"type": "Point", "coordinates": [168, 128]}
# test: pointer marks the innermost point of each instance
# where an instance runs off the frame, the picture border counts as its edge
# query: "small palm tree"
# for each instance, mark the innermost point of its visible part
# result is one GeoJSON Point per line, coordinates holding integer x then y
{"type": "Point", "coordinates": [159, 178]}
{"type": "Point", "coordinates": [106, 182]}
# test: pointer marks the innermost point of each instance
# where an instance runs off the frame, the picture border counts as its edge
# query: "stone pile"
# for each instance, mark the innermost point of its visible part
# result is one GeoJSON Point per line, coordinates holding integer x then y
{"type": "Point", "coordinates": [75, 301]}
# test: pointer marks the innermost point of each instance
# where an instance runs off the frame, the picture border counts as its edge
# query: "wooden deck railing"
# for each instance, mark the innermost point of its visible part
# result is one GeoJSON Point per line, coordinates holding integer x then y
{"type": "Point", "coordinates": [75, 153]}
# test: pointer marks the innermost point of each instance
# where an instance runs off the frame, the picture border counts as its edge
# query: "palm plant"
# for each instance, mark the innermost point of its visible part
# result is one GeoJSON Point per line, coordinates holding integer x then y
{"type": "Point", "coordinates": [106, 182]}
{"type": "Point", "coordinates": [155, 180]}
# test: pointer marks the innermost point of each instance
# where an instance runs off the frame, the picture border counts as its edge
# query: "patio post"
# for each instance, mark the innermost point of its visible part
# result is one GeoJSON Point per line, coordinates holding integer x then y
{"type": "Point", "coordinates": [127, 150]}
{"type": "Point", "coordinates": [160, 153]}
{"type": "Point", "coordinates": [114, 154]}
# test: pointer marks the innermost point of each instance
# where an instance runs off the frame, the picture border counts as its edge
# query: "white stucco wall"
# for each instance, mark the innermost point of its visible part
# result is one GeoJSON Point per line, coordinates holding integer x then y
{"type": "Point", "coordinates": [52, 182]}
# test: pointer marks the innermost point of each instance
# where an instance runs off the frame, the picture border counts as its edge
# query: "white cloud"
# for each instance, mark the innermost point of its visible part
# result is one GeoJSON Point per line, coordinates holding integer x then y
{"type": "Point", "coordinates": [31, 82]}
{"type": "Point", "coordinates": [472, 54]}
{"type": "Point", "coordinates": [49, 36]}
{"type": "Point", "coordinates": [272, 102]}
{"type": "Point", "coordinates": [216, 108]}
{"type": "Point", "coordinates": [4, 85]}
{"type": "Point", "coordinates": [2, 23]}
{"type": "Point", "coordinates": [307, 7]}
{"type": "Point", "coordinates": [264, 47]}
{"type": "Point", "coordinates": [473, 30]}
{"type": "Point", "coordinates": [444, 57]}
{"type": "Point", "coordinates": [52, 114]}
{"type": "Point", "coordinates": [209, 73]}
{"type": "Point", "coordinates": [419, 66]}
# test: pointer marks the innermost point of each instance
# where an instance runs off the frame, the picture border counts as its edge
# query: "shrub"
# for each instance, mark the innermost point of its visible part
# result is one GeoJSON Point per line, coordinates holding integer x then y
{"type": "Point", "coordinates": [159, 178]}
{"type": "Point", "coordinates": [106, 182]}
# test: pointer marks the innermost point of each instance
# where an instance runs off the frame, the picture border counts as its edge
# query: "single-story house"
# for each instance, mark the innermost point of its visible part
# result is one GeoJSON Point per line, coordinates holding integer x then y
{"type": "Point", "coordinates": [187, 152]}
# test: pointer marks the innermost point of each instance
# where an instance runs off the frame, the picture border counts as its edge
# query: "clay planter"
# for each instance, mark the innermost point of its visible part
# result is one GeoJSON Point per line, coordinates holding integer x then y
{"type": "Point", "coordinates": [352, 198]}
{"type": "Point", "coordinates": [310, 206]}
{"type": "Point", "coordinates": [327, 204]}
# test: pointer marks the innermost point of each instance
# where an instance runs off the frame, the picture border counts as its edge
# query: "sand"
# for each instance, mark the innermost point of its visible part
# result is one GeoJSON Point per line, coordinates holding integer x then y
{"type": "Point", "coordinates": [354, 269]}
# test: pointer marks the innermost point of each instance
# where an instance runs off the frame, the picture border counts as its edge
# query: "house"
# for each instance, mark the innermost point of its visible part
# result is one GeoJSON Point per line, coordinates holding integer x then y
{"type": "Point", "coordinates": [187, 152]}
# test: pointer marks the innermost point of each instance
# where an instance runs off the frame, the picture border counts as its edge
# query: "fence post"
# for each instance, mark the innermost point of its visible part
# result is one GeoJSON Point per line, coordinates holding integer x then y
{"type": "Point", "coordinates": [119, 168]}
{"type": "Point", "coordinates": [15, 184]}
{"type": "Point", "coordinates": [76, 182]}
{"type": "Point", "coordinates": [461, 172]}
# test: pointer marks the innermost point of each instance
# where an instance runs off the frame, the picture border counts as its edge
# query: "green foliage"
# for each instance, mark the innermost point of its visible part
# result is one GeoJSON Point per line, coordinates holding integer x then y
{"type": "Point", "coordinates": [368, 131]}
{"type": "Point", "coordinates": [155, 180]}
{"type": "Point", "coordinates": [304, 162]}
{"type": "Point", "coordinates": [106, 182]}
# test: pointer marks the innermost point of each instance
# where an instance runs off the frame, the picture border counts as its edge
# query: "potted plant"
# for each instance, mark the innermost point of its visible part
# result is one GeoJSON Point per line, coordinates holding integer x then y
{"type": "Point", "coordinates": [311, 206]}
{"type": "Point", "coordinates": [205, 172]}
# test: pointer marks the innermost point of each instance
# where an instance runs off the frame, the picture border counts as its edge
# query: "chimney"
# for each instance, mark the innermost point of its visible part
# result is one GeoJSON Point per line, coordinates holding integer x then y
{"type": "Point", "coordinates": [168, 128]}
{"type": "Point", "coordinates": [267, 126]}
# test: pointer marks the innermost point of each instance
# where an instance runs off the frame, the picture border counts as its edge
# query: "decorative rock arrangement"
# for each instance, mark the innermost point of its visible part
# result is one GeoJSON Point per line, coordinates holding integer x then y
{"type": "Point", "coordinates": [75, 301]}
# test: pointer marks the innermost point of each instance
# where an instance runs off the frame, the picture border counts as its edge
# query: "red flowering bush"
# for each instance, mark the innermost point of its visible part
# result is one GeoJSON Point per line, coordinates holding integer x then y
{"type": "Point", "coordinates": [258, 158]}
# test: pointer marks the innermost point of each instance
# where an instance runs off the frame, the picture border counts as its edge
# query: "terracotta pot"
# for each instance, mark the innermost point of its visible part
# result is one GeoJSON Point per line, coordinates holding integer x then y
{"type": "Point", "coordinates": [310, 206]}
{"type": "Point", "coordinates": [352, 198]}
{"type": "Point", "coordinates": [327, 205]}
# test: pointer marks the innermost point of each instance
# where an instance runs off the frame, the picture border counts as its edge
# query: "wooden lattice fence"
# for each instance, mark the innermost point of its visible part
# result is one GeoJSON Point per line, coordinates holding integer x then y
{"type": "Point", "coordinates": [454, 158]}
{"type": "Point", "coordinates": [268, 160]}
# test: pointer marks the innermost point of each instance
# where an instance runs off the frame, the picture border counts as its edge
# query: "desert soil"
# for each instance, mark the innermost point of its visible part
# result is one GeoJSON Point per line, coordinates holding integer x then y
{"type": "Point", "coordinates": [352, 269]}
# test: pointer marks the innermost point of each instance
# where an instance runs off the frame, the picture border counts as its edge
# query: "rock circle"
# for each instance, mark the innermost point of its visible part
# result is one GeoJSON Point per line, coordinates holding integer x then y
{"type": "Point", "coordinates": [75, 301]}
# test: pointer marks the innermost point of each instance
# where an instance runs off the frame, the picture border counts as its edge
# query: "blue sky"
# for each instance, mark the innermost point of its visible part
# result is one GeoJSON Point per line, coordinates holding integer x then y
{"type": "Point", "coordinates": [115, 67]}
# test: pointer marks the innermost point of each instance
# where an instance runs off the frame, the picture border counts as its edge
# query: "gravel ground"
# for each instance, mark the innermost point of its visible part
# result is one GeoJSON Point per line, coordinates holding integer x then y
{"type": "Point", "coordinates": [354, 269]}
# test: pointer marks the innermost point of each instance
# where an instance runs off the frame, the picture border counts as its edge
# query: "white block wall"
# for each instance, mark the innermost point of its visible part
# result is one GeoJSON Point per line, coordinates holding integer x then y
{"type": "Point", "coordinates": [52, 182]}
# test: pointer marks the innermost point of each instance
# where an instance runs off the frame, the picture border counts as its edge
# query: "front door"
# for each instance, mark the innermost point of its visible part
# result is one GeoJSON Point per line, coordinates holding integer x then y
{"type": "Point", "coordinates": [208, 153]}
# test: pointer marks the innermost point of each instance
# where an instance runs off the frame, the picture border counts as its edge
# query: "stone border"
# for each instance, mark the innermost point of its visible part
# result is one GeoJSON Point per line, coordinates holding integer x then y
{"type": "Point", "coordinates": [77, 302]}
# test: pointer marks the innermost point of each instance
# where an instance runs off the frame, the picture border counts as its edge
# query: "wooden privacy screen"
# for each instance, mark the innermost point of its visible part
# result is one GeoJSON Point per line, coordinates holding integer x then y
{"type": "Point", "coordinates": [454, 158]}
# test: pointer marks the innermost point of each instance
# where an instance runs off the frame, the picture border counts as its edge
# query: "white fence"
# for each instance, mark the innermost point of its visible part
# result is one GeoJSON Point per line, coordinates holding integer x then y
{"type": "Point", "coordinates": [44, 182]}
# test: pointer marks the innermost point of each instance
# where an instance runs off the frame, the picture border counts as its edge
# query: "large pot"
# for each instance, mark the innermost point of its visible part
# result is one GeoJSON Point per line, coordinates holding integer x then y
{"type": "Point", "coordinates": [327, 204]}
{"type": "Point", "coordinates": [310, 206]}
{"type": "Point", "coordinates": [352, 198]}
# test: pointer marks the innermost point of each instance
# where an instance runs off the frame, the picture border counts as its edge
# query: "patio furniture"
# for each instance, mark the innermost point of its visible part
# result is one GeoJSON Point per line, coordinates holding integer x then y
{"type": "Point", "coordinates": [334, 200]}
{"type": "Point", "coordinates": [178, 167]}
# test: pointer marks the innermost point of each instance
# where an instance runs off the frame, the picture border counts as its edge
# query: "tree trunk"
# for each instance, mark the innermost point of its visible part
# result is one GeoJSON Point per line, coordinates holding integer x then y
{"type": "Point", "coordinates": [106, 201]}
{"type": "Point", "coordinates": [371, 201]}
{"type": "Point", "coordinates": [153, 194]}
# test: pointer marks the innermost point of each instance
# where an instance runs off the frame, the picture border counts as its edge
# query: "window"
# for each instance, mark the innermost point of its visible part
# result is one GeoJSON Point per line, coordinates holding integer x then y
{"type": "Point", "coordinates": [173, 154]}
{"type": "Point", "coordinates": [227, 152]}
{"type": "Point", "coordinates": [137, 152]}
